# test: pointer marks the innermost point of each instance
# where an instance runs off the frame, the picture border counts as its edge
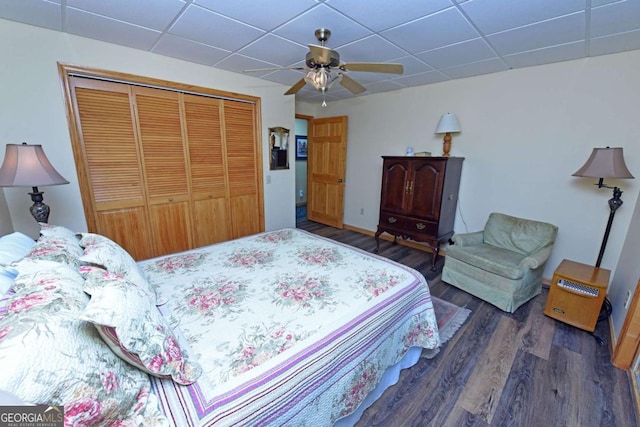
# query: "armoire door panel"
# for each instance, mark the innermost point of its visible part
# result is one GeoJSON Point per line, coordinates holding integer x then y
{"type": "Point", "coordinates": [171, 227]}
{"type": "Point", "coordinates": [396, 177]}
{"type": "Point", "coordinates": [129, 228]}
{"type": "Point", "coordinates": [426, 190]}
{"type": "Point", "coordinates": [211, 222]}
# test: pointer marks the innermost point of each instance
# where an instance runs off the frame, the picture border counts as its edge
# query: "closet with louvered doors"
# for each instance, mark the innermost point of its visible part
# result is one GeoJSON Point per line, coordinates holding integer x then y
{"type": "Point", "coordinates": [163, 171]}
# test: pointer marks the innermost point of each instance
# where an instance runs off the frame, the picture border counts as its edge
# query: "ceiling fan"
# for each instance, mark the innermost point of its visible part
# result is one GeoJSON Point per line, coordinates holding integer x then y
{"type": "Point", "coordinates": [324, 68]}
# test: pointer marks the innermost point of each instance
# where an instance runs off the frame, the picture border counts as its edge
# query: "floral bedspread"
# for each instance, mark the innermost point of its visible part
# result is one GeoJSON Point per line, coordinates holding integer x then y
{"type": "Point", "coordinates": [289, 327]}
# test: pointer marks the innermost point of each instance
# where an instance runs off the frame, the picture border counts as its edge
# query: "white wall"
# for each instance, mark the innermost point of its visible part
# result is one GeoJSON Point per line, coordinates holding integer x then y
{"type": "Point", "coordinates": [33, 110]}
{"type": "Point", "coordinates": [524, 132]}
{"type": "Point", "coordinates": [6, 226]}
{"type": "Point", "coordinates": [628, 272]}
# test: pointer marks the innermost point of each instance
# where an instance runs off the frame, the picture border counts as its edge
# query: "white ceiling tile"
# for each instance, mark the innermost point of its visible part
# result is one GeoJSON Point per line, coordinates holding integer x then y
{"type": "Point", "coordinates": [469, 51]}
{"type": "Point", "coordinates": [370, 49]}
{"type": "Point", "coordinates": [261, 14]}
{"type": "Point", "coordinates": [98, 27]}
{"type": "Point", "coordinates": [213, 29]}
{"type": "Point", "coordinates": [441, 29]}
{"type": "Point", "coordinates": [546, 55]}
{"type": "Point", "coordinates": [156, 14]}
{"type": "Point", "coordinates": [412, 65]}
{"type": "Point", "coordinates": [615, 18]}
{"type": "Point", "coordinates": [189, 50]}
{"type": "Point", "coordinates": [47, 14]}
{"type": "Point", "coordinates": [274, 49]}
{"type": "Point", "coordinates": [384, 86]}
{"type": "Point", "coordinates": [492, 16]}
{"type": "Point", "coordinates": [569, 28]}
{"type": "Point", "coordinates": [615, 43]}
{"type": "Point", "coordinates": [476, 68]}
{"type": "Point", "coordinates": [343, 30]}
{"type": "Point", "coordinates": [379, 16]}
{"type": "Point", "coordinates": [421, 78]}
{"type": "Point", "coordinates": [238, 63]}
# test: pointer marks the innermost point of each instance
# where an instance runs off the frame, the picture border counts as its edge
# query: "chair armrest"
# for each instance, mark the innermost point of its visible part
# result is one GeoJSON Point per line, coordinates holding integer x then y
{"type": "Point", "coordinates": [537, 259]}
{"type": "Point", "coordinates": [468, 239]}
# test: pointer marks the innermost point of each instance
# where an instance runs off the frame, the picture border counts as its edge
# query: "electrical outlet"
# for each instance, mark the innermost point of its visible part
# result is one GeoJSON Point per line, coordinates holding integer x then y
{"type": "Point", "coordinates": [301, 194]}
{"type": "Point", "coordinates": [627, 300]}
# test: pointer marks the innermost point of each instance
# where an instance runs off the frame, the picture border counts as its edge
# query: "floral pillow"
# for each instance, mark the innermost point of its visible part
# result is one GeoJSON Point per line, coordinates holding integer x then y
{"type": "Point", "coordinates": [56, 243]}
{"type": "Point", "coordinates": [136, 331]}
{"type": "Point", "coordinates": [57, 359]}
{"type": "Point", "coordinates": [104, 252]}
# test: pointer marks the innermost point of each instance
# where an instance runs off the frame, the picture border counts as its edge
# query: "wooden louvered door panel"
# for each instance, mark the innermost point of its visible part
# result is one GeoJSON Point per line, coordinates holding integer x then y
{"type": "Point", "coordinates": [243, 168]}
{"type": "Point", "coordinates": [109, 164]}
{"type": "Point", "coordinates": [211, 216]}
{"type": "Point", "coordinates": [164, 159]}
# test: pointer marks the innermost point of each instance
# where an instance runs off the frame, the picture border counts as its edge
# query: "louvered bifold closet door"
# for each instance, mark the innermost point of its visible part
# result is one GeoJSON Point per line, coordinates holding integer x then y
{"type": "Point", "coordinates": [109, 164]}
{"type": "Point", "coordinates": [242, 168]}
{"type": "Point", "coordinates": [164, 159]}
{"type": "Point", "coordinates": [211, 216]}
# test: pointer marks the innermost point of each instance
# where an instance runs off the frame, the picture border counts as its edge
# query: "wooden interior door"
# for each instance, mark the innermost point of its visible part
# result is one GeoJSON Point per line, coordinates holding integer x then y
{"type": "Point", "coordinates": [326, 166]}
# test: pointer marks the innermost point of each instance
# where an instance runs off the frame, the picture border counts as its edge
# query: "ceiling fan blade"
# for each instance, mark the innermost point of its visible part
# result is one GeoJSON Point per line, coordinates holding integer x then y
{"type": "Point", "coordinates": [351, 85]}
{"type": "Point", "coordinates": [321, 55]}
{"type": "Point", "coordinates": [274, 69]}
{"type": "Point", "coordinates": [296, 87]}
{"type": "Point", "coordinates": [373, 67]}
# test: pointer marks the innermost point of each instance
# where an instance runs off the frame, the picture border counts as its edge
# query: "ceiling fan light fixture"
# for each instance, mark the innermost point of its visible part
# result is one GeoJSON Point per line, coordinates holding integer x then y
{"type": "Point", "coordinates": [322, 78]}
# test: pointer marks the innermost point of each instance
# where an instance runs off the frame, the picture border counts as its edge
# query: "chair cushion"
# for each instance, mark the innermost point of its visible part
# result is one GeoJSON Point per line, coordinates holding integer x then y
{"type": "Point", "coordinates": [495, 260]}
{"type": "Point", "coordinates": [519, 235]}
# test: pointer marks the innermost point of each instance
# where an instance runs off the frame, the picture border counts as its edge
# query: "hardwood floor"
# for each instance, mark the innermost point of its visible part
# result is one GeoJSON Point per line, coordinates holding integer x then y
{"type": "Point", "coordinates": [500, 369]}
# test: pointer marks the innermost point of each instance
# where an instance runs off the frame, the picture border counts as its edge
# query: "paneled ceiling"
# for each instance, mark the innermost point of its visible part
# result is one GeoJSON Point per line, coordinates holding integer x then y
{"type": "Point", "coordinates": [435, 40]}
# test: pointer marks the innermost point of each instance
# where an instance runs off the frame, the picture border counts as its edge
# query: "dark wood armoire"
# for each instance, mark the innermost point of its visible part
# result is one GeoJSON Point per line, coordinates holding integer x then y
{"type": "Point", "coordinates": [419, 198]}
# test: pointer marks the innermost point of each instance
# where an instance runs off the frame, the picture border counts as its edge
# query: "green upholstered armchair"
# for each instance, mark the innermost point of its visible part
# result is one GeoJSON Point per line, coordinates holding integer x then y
{"type": "Point", "coordinates": [503, 264]}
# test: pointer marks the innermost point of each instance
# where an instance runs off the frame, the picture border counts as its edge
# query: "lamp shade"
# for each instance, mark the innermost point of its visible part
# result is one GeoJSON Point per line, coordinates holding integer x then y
{"type": "Point", "coordinates": [605, 163]}
{"type": "Point", "coordinates": [448, 123]}
{"type": "Point", "coordinates": [27, 166]}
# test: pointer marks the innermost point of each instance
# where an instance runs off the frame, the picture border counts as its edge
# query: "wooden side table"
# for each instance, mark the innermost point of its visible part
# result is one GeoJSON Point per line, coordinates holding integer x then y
{"type": "Point", "coordinates": [577, 293]}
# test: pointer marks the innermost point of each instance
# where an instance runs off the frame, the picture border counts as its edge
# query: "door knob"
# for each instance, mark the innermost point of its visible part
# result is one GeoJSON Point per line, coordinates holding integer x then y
{"type": "Point", "coordinates": [340, 180]}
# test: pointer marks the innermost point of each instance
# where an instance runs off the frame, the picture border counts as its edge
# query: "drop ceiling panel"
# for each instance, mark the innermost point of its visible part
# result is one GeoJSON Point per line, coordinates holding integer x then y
{"type": "Point", "coordinates": [434, 40]}
{"type": "Point", "coordinates": [440, 29]}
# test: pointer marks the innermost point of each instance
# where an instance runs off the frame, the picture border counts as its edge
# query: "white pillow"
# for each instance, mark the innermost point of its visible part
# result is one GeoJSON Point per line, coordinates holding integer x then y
{"type": "Point", "coordinates": [14, 246]}
{"type": "Point", "coordinates": [7, 274]}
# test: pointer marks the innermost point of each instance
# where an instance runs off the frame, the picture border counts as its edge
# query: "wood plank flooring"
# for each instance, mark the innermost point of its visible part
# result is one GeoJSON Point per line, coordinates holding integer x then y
{"type": "Point", "coordinates": [500, 369]}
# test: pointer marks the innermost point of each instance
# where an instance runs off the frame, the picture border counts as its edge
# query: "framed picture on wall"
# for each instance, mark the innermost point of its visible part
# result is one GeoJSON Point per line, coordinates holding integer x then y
{"type": "Point", "coordinates": [301, 147]}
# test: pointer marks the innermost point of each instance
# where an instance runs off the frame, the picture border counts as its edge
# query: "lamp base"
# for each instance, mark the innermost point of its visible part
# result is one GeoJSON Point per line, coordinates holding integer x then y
{"type": "Point", "coordinates": [39, 209]}
{"type": "Point", "coordinates": [446, 145]}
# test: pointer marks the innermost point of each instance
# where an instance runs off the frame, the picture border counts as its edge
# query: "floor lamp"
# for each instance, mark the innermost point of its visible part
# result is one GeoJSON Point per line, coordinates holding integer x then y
{"type": "Point", "coordinates": [606, 163]}
{"type": "Point", "coordinates": [26, 165]}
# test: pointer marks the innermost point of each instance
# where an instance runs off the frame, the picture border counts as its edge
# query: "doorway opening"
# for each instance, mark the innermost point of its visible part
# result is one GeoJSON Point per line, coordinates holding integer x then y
{"type": "Point", "coordinates": [301, 132]}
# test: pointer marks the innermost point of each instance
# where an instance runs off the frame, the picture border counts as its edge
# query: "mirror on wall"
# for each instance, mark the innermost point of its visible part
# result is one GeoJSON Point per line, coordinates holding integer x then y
{"type": "Point", "coordinates": [279, 147]}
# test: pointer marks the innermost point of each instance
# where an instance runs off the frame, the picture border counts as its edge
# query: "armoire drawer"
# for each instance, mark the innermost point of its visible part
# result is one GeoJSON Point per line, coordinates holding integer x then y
{"type": "Point", "coordinates": [428, 228]}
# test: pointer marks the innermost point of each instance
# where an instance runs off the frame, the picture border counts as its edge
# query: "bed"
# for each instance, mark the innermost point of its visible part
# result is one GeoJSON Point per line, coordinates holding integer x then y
{"type": "Point", "coordinates": [279, 328]}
